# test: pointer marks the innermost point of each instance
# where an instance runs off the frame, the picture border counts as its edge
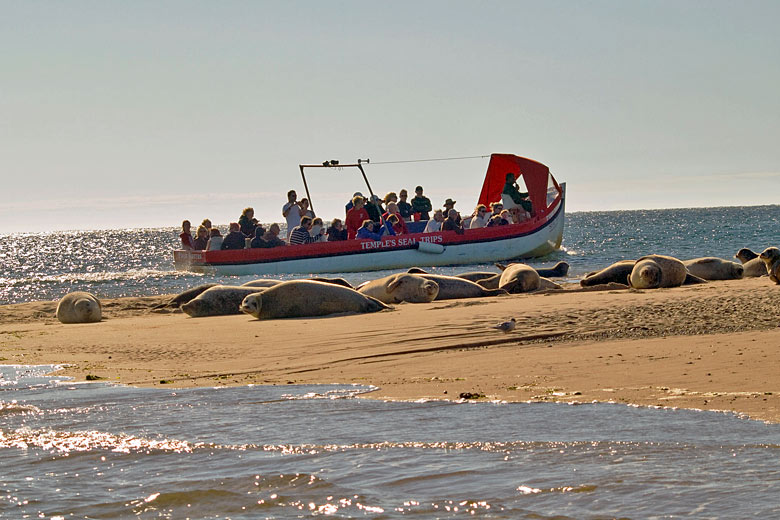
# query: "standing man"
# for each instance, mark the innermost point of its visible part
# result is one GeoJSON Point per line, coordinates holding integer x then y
{"type": "Point", "coordinates": [421, 204]}
{"type": "Point", "coordinates": [404, 208]}
{"type": "Point", "coordinates": [293, 212]}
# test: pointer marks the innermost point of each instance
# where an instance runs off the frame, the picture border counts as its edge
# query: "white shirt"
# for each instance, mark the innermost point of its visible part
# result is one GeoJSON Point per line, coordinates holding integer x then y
{"type": "Point", "coordinates": [432, 226]}
{"type": "Point", "coordinates": [214, 244]}
{"type": "Point", "coordinates": [479, 222]}
{"type": "Point", "coordinates": [293, 217]}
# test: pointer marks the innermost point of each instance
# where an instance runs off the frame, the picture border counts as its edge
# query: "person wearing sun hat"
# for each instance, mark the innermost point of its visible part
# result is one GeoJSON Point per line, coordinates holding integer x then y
{"type": "Point", "coordinates": [449, 204]}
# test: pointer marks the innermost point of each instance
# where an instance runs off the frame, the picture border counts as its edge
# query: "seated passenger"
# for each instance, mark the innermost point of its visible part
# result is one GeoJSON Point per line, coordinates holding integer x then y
{"type": "Point", "coordinates": [245, 223]}
{"type": "Point", "coordinates": [187, 241]}
{"type": "Point", "coordinates": [519, 215]}
{"type": "Point", "coordinates": [519, 198]}
{"type": "Point", "coordinates": [317, 230]}
{"type": "Point", "coordinates": [404, 208]}
{"type": "Point", "coordinates": [367, 230]}
{"type": "Point", "coordinates": [355, 216]}
{"type": "Point", "coordinates": [215, 241]}
{"type": "Point", "coordinates": [496, 208]}
{"type": "Point", "coordinates": [336, 231]}
{"type": "Point", "coordinates": [235, 239]}
{"type": "Point", "coordinates": [434, 224]}
{"type": "Point", "coordinates": [480, 218]}
{"type": "Point", "coordinates": [451, 223]}
{"type": "Point", "coordinates": [258, 241]}
{"type": "Point", "coordinates": [202, 239]}
{"type": "Point", "coordinates": [400, 226]}
{"type": "Point", "coordinates": [271, 237]}
{"type": "Point", "coordinates": [300, 234]}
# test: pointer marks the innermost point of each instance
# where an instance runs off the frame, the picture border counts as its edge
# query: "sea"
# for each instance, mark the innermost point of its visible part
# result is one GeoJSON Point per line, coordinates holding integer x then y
{"type": "Point", "coordinates": [97, 450]}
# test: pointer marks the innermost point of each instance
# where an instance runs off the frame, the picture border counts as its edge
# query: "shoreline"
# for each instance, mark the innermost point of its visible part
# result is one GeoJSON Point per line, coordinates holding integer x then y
{"type": "Point", "coordinates": [708, 347]}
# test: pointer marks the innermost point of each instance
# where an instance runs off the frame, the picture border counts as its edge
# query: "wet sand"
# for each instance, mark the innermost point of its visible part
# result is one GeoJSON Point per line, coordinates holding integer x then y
{"type": "Point", "coordinates": [714, 346]}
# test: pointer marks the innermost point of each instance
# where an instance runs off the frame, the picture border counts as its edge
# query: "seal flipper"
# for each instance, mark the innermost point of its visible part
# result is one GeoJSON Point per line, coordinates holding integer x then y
{"type": "Point", "coordinates": [416, 270]}
{"type": "Point", "coordinates": [690, 279]}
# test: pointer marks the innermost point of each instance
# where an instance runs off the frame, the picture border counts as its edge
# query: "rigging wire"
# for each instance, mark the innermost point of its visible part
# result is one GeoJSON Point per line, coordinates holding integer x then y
{"type": "Point", "coordinates": [430, 160]}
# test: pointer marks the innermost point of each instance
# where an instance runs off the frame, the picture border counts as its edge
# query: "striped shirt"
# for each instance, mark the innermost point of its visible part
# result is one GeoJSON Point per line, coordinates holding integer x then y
{"type": "Point", "coordinates": [300, 235]}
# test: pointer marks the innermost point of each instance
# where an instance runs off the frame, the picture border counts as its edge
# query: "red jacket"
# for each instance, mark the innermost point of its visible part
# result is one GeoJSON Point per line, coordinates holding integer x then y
{"type": "Point", "coordinates": [400, 227]}
{"type": "Point", "coordinates": [354, 220]}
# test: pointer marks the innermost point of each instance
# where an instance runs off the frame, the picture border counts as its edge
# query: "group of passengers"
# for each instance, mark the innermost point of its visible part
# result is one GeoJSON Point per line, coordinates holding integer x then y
{"type": "Point", "coordinates": [366, 218]}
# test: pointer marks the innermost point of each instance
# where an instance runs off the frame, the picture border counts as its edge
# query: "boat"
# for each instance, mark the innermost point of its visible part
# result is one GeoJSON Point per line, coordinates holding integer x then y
{"type": "Point", "coordinates": [538, 236]}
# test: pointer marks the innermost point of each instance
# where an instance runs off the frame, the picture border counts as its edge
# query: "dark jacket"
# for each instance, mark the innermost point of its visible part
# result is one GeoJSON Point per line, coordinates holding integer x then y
{"type": "Point", "coordinates": [452, 225]}
{"type": "Point", "coordinates": [234, 240]}
{"type": "Point", "coordinates": [336, 235]}
{"type": "Point", "coordinates": [373, 211]}
{"type": "Point", "coordinates": [405, 209]}
{"type": "Point", "coordinates": [421, 205]}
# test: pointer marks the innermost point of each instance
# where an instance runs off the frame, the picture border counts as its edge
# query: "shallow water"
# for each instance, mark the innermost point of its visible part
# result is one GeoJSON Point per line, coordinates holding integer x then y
{"type": "Point", "coordinates": [103, 451]}
{"type": "Point", "coordinates": [137, 262]}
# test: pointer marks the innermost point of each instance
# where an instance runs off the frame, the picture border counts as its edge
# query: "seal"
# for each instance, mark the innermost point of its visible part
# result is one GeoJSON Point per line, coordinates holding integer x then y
{"type": "Point", "coordinates": [306, 298]}
{"type": "Point", "coordinates": [337, 281]}
{"type": "Point", "coordinates": [219, 300]}
{"type": "Point", "coordinates": [402, 287]}
{"type": "Point", "coordinates": [519, 278]}
{"type": "Point", "coordinates": [559, 270]}
{"type": "Point", "coordinates": [753, 266]}
{"type": "Point", "coordinates": [79, 307]}
{"type": "Point", "coordinates": [615, 273]}
{"type": "Point", "coordinates": [745, 255]}
{"type": "Point", "coordinates": [490, 283]}
{"type": "Point", "coordinates": [712, 268]}
{"type": "Point", "coordinates": [771, 258]}
{"type": "Point", "coordinates": [656, 271]}
{"type": "Point", "coordinates": [452, 287]}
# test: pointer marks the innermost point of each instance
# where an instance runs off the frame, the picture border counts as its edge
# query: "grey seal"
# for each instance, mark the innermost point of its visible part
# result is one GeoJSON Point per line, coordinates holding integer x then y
{"type": "Point", "coordinates": [712, 268]}
{"type": "Point", "coordinates": [79, 307]}
{"type": "Point", "coordinates": [307, 298]}
{"type": "Point", "coordinates": [401, 287]}
{"type": "Point", "coordinates": [752, 264]}
{"type": "Point", "coordinates": [219, 300]}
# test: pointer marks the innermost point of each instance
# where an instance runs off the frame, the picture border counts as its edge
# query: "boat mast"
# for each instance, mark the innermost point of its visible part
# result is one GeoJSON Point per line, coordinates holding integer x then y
{"type": "Point", "coordinates": [334, 164]}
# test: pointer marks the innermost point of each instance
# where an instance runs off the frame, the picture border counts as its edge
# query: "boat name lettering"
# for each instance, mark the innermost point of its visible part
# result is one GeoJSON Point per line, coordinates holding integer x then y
{"type": "Point", "coordinates": [400, 241]}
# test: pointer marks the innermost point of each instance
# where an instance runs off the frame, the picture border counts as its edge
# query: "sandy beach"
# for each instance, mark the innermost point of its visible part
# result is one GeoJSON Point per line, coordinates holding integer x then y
{"type": "Point", "coordinates": [712, 347]}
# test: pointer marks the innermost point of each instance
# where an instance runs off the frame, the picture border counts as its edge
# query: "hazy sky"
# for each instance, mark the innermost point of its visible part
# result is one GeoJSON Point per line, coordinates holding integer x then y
{"type": "Point", "coordinates": [143, 113]}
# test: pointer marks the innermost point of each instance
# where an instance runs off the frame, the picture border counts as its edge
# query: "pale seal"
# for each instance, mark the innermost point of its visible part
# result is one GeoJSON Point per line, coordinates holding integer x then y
{"type": "Point", "coordinates": [753, 266]}
{"type": "Point", "coordinates": [402, 287]}
{"type": "Point", "coordinates": [771, 258]}
{"type": "Point", "coordinates": [79, 307]}
{"type": "Point", "coordinates": [219, 300]}
{"type": "Point", "coordinates": [656, 271]}
{"type": "Point", "coordinates": [712, 268]}
{"type": "Point", "coordinates": [452, 287]}
{"type": "Point", "coordinates": [519, 278]}
{"type": "Point", "coordinates": [306, 298]}
{"type": "Point", "coordinates": [615, 273]}
{"type": "Point", "coordinates": [261, 282]}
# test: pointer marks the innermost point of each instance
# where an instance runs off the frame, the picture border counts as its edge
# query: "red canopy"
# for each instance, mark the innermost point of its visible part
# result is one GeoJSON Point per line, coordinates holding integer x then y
{"type": "Point", "coordinates": [535, 175]}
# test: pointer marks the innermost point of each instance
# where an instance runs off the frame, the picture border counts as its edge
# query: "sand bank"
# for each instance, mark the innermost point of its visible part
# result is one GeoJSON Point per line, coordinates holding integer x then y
{"type": "Point", "coordinates": [714, 347]}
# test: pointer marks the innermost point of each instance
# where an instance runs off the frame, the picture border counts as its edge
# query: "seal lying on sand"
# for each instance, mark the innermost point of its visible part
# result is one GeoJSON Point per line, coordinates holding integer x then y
{"type": "Point", "coordinates": [184, 297]}
{"type": "Point", "coordinates": [712, 268]}
{"type": "Point", "coordinates": [219, 300]}
{"type": "Point", "coordinates": [402, 287]}
{"type": "Point", "coordinates": [615, 273]}
{"type": "Point", "coordinates": [771, 258]}
{"type": "Point", "coordinates": [305, 298]}
{"type": "Point", "coordinates": [452, 287]}
{"type": "Point", "coordinates": [519, 278]}
{"type": "Point", "coordinates": [753, 266]}
{"type": "Point", "coordinates": [475, 276]}
{"type": "Point", "coordinates": [79, 307]}
{"type": "Point", "coordinates": [656, 271]}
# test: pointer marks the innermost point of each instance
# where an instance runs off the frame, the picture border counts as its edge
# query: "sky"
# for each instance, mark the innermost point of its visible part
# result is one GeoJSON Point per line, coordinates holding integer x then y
{"type": "Point", "coordinates": [117, 114]}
